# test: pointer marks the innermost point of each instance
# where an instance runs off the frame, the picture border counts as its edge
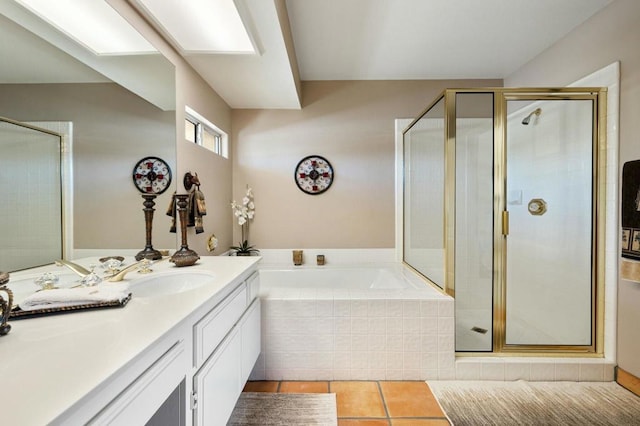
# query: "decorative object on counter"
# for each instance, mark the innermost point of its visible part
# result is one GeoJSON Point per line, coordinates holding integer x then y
{"type": "Point", "coordinates": [148, 252]}
{"type": "Point", "coordinates": [197, 209]}
{"type": "Point", "coordinates": [47, 281]}
{"type": "Point", "coordinates": [92, 279]}
{"type": "Point", "coordinates": [152, 175]}
{"type": "Point", "coordinates": [212, 242]}
{"type": "Point", "coordinates": [111, 264]}
{"type": "Point", "coordinates": [189, 180]}
{"type": "Point", "coordinates": [313, 174]}
{"type": "Point", "coordinates": [320, 259]}
{"type": "Point", "coordinates": [53, 302]}
{"type": "Point", "coordinates": [184, 256]}
{"type": "Point", "coordinates": [5, 304]}
{"type": "Point", "coordinates": [297, 257]}
{"type": "Point", "coordinates": [244, 213]}
{"type": "Point", "coordinates": [196, 206]}
{"type": "Point", "coordinates": [173, 212]}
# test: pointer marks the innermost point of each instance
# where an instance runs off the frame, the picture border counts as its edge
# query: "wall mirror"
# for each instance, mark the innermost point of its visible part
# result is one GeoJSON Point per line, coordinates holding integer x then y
{"type": "Point", "coordinates": [117, 109]}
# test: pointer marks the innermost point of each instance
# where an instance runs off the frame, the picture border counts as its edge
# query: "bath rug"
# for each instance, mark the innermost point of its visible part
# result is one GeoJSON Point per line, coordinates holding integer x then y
{"type": "Point", "coordinates": [537, 403]}
{"type": "Point", "coordinates": [257, 408]}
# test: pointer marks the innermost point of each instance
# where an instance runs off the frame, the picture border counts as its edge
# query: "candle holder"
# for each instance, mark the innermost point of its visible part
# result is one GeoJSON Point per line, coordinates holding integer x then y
{"type": "Point", "coordinates": [185, 256]}
{"type": "Point", "coordinates": [5, 305]}
{"type": "Point", "coordinates": [148, 252]}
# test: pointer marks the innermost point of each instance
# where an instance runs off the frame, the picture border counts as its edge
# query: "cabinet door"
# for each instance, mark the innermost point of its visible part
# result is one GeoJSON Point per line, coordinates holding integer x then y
{"type": "Point", "coordinates": [250, 330]}
{"type": "Point", "coordinates": [218, 383]}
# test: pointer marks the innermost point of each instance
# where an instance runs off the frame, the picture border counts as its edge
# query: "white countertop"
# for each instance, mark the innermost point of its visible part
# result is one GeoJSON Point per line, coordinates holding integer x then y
{"type": "Point", "coordinates": [48, 364]}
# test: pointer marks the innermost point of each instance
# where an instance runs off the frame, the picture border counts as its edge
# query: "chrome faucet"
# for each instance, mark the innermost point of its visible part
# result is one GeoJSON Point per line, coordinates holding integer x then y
{"type": "Point", "coordinates": [80, 270]}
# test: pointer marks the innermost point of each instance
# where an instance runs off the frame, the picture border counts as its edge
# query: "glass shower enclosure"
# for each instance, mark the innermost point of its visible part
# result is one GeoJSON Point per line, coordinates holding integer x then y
{"type": "Point", "coordinates": [504, 210]}
{"type": "Point", "coordinates": [31, 230]}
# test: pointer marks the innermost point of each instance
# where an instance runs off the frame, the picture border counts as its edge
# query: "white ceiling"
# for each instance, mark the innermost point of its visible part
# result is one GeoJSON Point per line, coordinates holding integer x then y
{"type": "Point", "coordinates": [388, 40]}
{"type": "Point", "coordinates": [378, 40]}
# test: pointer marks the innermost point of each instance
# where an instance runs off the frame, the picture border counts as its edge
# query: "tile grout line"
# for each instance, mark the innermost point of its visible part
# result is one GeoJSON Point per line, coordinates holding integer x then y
{"type": "Point", "coordinates": [384, 402]}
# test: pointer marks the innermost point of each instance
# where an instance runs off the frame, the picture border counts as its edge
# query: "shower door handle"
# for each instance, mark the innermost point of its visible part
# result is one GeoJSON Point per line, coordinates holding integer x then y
{"type": "Point", "coordinates": [505, 223]}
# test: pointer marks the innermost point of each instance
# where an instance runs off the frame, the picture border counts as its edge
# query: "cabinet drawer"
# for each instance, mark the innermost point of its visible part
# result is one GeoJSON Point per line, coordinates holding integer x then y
{"type": "Point", "coordinates": [211, 329]}
{"type": "Point", "coordinates": [250, 333]}
{"type": "Point", "coordinates": [253, 287]}
{"type": "Point", "coordinates": [140, 400]}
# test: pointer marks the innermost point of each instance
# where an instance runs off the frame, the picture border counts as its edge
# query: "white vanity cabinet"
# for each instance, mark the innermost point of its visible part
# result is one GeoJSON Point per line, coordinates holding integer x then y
{"type": "Point", "coordinates": [139, 401]}
{"type": "Point", "coordinates": [172, 360]}
{"type": "Point", "coordinates": [225, 362]}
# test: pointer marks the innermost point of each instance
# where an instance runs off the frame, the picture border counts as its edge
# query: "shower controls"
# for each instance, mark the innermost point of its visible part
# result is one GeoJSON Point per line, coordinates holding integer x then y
{"type": "Point", "coordinates": [537, 207]}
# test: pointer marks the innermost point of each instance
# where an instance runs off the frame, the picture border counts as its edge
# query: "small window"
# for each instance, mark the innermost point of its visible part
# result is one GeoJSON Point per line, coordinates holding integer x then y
{"type": "Point", "coordinates": [201, 131]}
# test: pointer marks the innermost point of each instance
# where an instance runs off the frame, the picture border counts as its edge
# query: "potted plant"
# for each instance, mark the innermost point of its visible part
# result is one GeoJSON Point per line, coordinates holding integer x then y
{"type": "Point", "coordinates": [244, 214]}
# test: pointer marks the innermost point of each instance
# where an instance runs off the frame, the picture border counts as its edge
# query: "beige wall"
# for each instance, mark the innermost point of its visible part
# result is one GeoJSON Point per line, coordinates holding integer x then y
{"type": "Point", "coordinates": [351, 123]}
{"type": "Point", "coordinates": [113, 129]}
{"type": "Point", "coordinates": [611, 35]}
{"type": "Point", "coordinates": [214, 172]}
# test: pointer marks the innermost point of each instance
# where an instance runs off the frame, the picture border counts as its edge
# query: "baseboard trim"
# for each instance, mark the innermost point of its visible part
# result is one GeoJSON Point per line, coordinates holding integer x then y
{"type": "Point", "coordinates": [628, 381]}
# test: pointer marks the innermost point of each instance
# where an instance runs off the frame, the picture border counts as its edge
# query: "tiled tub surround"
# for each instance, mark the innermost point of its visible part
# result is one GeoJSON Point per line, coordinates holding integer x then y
{"type": "Point", "coordinates": [401, 329]}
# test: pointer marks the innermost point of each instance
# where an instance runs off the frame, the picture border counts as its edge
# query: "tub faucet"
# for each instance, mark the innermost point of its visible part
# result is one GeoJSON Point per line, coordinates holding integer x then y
{"type": "Point", "coordinates": [80, 270]}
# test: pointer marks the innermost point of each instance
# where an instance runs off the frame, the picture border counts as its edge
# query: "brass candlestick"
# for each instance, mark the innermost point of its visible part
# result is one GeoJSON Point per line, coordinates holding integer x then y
{"type": "Point", "coordinates": [185, 256]}
{"type": "Point", "coordinates": [149, 252]}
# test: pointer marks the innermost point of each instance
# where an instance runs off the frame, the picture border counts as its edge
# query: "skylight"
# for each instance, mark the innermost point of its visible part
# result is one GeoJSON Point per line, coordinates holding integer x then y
{"type": "Point", "coordinates": [205, 26]}
{"type": "Point", "coordinates": [91, 23]}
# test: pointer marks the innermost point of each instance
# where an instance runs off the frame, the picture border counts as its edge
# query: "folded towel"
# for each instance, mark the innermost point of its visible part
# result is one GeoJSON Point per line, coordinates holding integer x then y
{"type": "Point", "coordinates": [197, 209]}
{"type": "Point", "coordinates": [66, 297]}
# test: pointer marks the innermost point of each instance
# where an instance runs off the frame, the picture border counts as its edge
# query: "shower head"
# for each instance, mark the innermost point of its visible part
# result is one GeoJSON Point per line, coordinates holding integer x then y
{"type": "Point", "coordinates": [526, 120]}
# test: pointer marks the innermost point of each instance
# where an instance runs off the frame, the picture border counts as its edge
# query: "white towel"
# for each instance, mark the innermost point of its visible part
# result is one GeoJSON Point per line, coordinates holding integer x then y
{"type": "Point", "coordinates": [66, 297]}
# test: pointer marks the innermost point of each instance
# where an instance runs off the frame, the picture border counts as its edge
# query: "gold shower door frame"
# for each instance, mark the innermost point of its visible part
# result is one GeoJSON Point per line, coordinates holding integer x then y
{"type": "Point", "coordinates": [500, 215]}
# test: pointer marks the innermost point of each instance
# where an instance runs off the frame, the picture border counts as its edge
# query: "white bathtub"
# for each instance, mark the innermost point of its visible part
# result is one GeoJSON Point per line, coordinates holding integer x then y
{"type": "Point", "coordinates": [335, 278]}
{"type": "Point", "coordinates": [353, 323]}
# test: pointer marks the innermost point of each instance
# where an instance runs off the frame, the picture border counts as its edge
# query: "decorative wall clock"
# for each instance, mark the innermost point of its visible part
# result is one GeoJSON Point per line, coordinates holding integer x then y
{"type": "Point", "coordinates": [314, 174]}
{"type": "Point", "coordinates": [152, 175]}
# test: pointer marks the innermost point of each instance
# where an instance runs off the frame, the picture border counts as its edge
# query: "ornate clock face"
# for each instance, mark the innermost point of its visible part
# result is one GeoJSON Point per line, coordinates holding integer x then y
{"type": "Point", "coordinates": [152, 175]}
{"type": "Point", "coordinates": [314, 174]}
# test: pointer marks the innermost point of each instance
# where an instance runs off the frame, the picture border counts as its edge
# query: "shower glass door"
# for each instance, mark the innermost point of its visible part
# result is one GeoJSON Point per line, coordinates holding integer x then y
{"type": "Point", "coordinates": [549, 195]}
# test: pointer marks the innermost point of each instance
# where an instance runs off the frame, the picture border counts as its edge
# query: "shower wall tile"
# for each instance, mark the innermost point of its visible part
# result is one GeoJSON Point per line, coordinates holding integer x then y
{"type": "Point", "coordinates": [447, 374]}
{"type": "Point", "coordinates": [543, 371]}
{"type": "Point", "coordinates": [591, 372]}
{"type": "Point", "coordinates": [469, 370]}
{"type": "Point", "coordinates": [492, 369]}
{"type": "Point", "coordinates": [517, 370]}
{"type": "Point", "coordinates": [567, 371]}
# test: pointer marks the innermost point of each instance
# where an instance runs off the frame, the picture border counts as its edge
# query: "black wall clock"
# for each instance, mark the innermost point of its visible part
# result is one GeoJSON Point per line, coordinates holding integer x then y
{"type": "Point", "coordinates": [314, 174]}
{"type": "Point", "coordinates": [152, 175]}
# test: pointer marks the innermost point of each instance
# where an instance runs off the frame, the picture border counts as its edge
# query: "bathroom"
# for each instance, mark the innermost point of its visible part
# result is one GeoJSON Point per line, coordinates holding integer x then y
{"type": "Point", "coordinates": [349, 122]}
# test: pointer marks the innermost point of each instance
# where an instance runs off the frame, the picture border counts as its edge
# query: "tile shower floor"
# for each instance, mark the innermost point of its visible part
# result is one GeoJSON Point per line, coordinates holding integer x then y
{"type": "Point", "coordinates": [369, 403]}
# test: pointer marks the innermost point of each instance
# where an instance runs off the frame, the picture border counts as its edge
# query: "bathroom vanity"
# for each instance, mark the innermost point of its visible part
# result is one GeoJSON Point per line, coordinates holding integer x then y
{"type": "Point", "coordinates": [167, 358]}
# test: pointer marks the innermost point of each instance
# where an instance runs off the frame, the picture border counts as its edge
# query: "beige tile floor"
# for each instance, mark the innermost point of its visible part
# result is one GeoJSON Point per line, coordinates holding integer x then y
{"type": "Point", "coordinates": [370, 403]}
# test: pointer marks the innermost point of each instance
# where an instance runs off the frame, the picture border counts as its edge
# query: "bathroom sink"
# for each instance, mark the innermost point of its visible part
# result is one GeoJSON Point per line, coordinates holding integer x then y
{"type": "Point", "coordinates": [169, 283]}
